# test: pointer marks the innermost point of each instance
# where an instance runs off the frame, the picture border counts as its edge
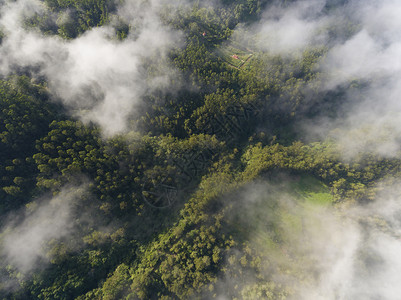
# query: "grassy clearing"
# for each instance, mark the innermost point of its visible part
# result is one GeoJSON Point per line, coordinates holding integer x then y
{"type": "Point", "coordinates": [312, 191]}
{"type": "Point", "coordinates": [270, 212]}
{"type": "Point", "coordinates": [235, 57]}
{"type": "Point", "coordinates": [282, 231]}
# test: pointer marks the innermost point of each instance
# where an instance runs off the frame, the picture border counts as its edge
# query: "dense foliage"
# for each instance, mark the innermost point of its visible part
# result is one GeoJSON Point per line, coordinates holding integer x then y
{"type": "Point", "coordinates": [157, 219]}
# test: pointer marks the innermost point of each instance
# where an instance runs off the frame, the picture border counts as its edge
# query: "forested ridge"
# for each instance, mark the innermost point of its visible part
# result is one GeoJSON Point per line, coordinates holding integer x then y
{"type": "Point", "coordinates": [234, 171]}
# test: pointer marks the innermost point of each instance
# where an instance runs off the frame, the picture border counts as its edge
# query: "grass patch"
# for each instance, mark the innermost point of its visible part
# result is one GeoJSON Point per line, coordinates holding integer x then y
{"type": "Point", "coordinates": [273, 215]}
{"type": "Point", "coordinates": [312, 190]}
{"type": "Point", "coordinates": [235, 57]}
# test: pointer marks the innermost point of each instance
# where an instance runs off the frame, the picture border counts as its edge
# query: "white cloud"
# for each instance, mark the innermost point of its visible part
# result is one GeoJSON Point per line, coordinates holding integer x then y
{"type": "Point", "coordinates": [99, 78]}
{"type": "Point", "coordinates": [369, 121]}
{"type": "Point", "coordinates": [25, 236]}
{"type": "Point", "coordinates": [285, 30]}
{"type": "Point", "coordinates": [319, 251]}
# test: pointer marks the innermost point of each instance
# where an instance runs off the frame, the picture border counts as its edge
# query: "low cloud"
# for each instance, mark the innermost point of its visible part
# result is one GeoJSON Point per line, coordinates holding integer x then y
{"type": "Point", "coordinates": [26, 235]}
{"type": "Point", "coordinates": [314, 251]}
{"type": "Point", "coordinates": [361, 66]}
{"type": "Point", "coordinates": [287, 29]}
{"type": "Point", "coordinates": [99, 78]}
{"type": "Point", "coordinates": [368, 267]}
{"type": "Point", "coordinates": [369, 63]}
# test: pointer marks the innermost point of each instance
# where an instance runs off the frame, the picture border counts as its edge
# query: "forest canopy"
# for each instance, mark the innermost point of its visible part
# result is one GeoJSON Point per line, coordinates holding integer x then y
{"type": "Point", "coordinates": [245, 149]}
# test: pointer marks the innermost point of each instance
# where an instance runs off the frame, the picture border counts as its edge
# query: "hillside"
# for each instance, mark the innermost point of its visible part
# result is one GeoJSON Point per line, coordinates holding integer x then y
{"type": "Point", "coordinates": [245, 149]}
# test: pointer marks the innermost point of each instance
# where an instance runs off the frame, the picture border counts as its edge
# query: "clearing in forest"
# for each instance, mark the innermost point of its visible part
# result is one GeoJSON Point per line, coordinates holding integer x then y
{"type": "Point", "coordinates": [235, 56]}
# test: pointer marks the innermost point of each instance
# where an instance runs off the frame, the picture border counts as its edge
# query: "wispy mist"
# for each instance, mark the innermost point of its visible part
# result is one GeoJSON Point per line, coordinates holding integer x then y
{"type": "Point", "coordinates": [288, 29]}
{"type": "Point", "coordinates": [312, 250]}
{"type": "Point", "coordinates": [25, 236]}
{"type": "Point", "coordinates": [367, 263]}
{"type": "Point", "coordinates": [361, 42]}
{"type": "Point", "coordinates": [368, 61]}
{"type": "Point", "coordinates": [308, 250]}
{"type": "Point", "coordinates": [99, 78]}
